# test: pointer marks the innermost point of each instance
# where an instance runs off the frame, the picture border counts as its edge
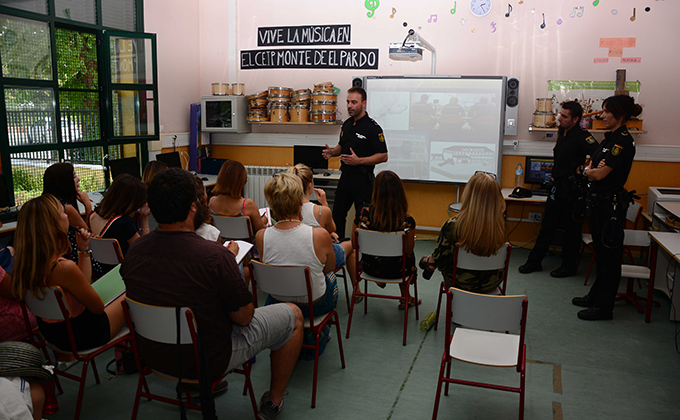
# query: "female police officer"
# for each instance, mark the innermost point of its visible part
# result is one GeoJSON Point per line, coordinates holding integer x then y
{"type": "Point", "coordinates": [608, 171]}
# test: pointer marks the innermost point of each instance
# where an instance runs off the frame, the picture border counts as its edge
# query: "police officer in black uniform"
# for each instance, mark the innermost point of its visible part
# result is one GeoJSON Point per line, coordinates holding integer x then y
{"type": "Point", "coordinates": [361, 147]}
{"type": "Point", "coordinates": [608, 203]}
{"type": "Point", "coordinates": [562, 206]}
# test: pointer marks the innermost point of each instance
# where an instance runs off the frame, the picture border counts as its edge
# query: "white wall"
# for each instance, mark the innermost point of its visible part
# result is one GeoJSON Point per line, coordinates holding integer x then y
{"type": "Point", "coordinates": [197, 33]}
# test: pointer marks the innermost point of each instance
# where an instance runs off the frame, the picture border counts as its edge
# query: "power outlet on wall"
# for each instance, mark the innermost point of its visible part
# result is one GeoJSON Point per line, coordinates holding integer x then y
{"type": "Point", "coordinates": [535, 217]}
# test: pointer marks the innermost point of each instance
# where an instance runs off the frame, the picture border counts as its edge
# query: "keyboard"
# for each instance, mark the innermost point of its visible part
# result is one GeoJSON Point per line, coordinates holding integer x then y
{"type": "Point", "coordinates": [8, 216]}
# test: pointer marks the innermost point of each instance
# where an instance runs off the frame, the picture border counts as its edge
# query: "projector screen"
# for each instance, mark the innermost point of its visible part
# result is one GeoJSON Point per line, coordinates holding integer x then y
{"type": "Point", "coordinates": [440, 128]}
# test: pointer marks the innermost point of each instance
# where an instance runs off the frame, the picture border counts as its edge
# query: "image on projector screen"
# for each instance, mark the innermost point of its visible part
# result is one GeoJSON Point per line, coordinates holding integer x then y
{"type": "Point", "coordinates": [439, 129]}
{"type": "Point", "coordinates": [455, 161]}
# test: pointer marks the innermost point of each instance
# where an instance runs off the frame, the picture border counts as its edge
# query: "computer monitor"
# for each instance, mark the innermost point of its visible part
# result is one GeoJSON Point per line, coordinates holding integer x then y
{"type": "Point", "coordinates": [125, 166]}
{"type": "Point", "coordinates": [538, 170]}
{"type": "Point", "coordinates": [171, 159]}
{"type": "Point", "coordinates": [210, 166]}
{"type": "Point", "coordinates": [311, 156]}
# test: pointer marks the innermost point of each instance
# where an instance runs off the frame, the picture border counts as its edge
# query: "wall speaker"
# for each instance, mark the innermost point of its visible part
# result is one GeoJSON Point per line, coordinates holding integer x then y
{"type": "Point", "coordinates": [511, 106]}
{"type": "Point", "coordinates": [357, 81]}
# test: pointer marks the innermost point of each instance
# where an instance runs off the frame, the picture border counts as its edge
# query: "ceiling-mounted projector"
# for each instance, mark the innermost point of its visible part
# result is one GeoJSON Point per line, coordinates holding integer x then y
{"type": "Point", "coordinates": [411, 49]}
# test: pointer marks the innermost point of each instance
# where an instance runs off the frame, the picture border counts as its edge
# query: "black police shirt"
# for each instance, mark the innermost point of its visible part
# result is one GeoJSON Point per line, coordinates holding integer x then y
{"type": "Point", "coordinates": [618, 150]}
{"type": "Point", "coordinates": [365, 138]}
{"type": "Point", "coordinates": [570, 152]}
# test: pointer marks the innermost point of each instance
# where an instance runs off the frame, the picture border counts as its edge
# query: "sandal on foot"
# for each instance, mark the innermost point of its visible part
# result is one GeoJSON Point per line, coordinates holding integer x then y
{"type": "Point", "coordinates": [381, 284]}
{"type": "Point", "coordinates": [411, 303]}
{"type": "Point", "coordinates": [427, 267]}
{"type": "Point", "coordinates": [358, 298]}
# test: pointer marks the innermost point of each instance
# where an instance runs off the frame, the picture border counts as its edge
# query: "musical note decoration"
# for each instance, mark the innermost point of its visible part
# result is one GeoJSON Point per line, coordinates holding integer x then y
{"type": "Point", "coordinates": [493, 25]}
{"type": "Point", "coordinates": [559, 21]}
{"type": "Point", "coordinates": [632, 18]}
{"type": "Point", "coordinates": [371, 5]}
{"type": "Point", "coordinates": [543, 24]}
{"type": "Point", "coordinates": [596, 2]}
{"type": "Point", "coordinates": [432, 19]}
{"type": "Point", "coordinates": [453, 11]}
{"type": "Point", "coordinates": [394, 12]}
{"type": "Point", "coordinates": [509, 10]}
{"type": "Point", "coordinates": [578, 11]}
{"type": "Point", "coordinates": [614, 11]}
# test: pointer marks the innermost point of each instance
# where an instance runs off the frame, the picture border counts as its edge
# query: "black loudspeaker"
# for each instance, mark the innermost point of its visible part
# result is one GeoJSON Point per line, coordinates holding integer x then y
{"type": "Point", "coordinates": [358, 82]}
{"type": "Point", "coordinates": [511, 106]}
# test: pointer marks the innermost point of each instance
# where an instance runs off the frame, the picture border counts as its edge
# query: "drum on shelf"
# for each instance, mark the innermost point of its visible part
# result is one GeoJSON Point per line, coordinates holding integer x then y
{"type": "Point", "coordinates": [303, 97]}
{"type": "Point", "coordinates": [238, 89]}
{"type": "Point", "coordinates": [323, 116]}
{"type": "Point", "coordinates": [299, 113]}
{"type": "Point", "coordinates": [544, 104]}
{"type": "Point", "coordinates": [320, 96]}
{"type": "Point", "coordinates": [257, 118]}
{"type": "Point", "coordinates": [278, 113]}
{"type": "Point", "coordinates": [324, 106]}
{"type": "Point", "coordinates": [544, 119]}
{"type": "Point", "coordinates": [276, 90]}
{"type": "Point", "coordinates": [279, 99]}
{"type": "Point", "coordinates": [220, 89]}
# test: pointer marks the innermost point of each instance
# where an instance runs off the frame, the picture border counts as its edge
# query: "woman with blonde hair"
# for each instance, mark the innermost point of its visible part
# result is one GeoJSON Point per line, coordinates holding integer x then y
{"type": "Point", "coordinates": [322, 215]}
{"type": "Point", "coordinates": [40, 241]}
{"type": "Point", "coordinates": [229, 201]}
{"type": "Point", "coordinates": [291, 242]}
{"type": "Point", "coordinates": [151, 169]}
{"type": "Point", "coordinates": [479, 228]}
{"type": "Point", "coordinates": [388, 212]}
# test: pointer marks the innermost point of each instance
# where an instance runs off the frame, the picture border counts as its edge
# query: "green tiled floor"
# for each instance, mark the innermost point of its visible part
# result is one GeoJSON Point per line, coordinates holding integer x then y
{"type": "Point", "coordinates": [620, 369]}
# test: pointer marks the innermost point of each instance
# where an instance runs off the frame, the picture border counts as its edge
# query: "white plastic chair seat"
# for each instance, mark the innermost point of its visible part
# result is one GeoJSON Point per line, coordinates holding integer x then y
{"type": "Point", "coordinates": [587, 238]}
{"type": "Point", "coordinates": [317, 320]}
{"type": "Point", "coordinates": [369, 277]}
{"type": "Point", "coordinates": [484, 347]}
{"type": "Point", "coordinates": [123, 331]}
{"type": "Point", "coordinates": [636, 238]}
{"type": "Point", "coordinates": [635, 271]}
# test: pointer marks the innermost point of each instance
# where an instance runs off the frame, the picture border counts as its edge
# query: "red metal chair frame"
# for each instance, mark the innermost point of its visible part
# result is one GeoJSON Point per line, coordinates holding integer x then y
{"type": "Point", "coordinates": [144, 370]}
{"type": "Point", "coordinates": [446, 362]}
{"type": "Point", "coordinates": [408, 281]}
{"type": "Point", "coordinates": [442, 287]}
{"type": "Point", "coordinates": [118, 342]}
{"type": "Point", "coordinates": [331, 318]}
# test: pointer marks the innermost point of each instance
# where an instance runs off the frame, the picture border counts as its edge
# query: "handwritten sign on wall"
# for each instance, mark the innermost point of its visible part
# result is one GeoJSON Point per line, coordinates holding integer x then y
{"type": "Point", "coordinates": [304, 35]}
{"type": "Point", "coordinates": [616, 45]}
{"type": "Point", "coordinates": [309, 58]}
{"type": "Point", "coordinates": [345, 58]}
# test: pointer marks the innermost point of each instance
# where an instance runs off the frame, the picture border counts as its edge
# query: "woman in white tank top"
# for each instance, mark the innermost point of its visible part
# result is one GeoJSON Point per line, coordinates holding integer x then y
{"type": "Point", "coordinates": [291, 242]}
{"type": "Point", "coordinates": [321, 215]}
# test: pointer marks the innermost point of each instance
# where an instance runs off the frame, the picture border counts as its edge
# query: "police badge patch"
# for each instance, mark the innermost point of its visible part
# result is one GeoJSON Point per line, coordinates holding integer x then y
{"type": "Point", "coordinates": [381, 137]}
{"type": "Point", "coordinates": [590, 140]}
{"type": "Point", "coordinates": [616, 150]}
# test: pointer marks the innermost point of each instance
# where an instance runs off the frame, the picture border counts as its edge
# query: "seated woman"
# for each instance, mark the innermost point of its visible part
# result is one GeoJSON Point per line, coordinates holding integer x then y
{"type": "Point", "coordinates": [388, 212]}
{"type": "Point", "coordinates": [40, 242]}
{"type": "Point", "coordinates": [315, 215]}
{"type": "Point", "coordinates": [205, 229]}
{"type": "Point", "coordinates": [61, 180]}
{"type": "Point", "coordinates": [291, 242]}
{"type": "Point", "coordinates": [115, 216]}
{"type": "Point", "coordinates": [229, 201]}
{"type": "Point", "coordinates": [478, 228]}
{"type": "Point", "coordinates": [151, 169]}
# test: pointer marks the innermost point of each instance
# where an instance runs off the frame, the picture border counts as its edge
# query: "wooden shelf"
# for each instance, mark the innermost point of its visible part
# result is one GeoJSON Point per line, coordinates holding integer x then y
{"type": "Point", "coordinates": [554, 130]}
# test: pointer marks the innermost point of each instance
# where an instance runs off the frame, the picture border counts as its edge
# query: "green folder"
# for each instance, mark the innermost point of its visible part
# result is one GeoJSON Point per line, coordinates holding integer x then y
{"type": "Point", "coordinates": [110, 285]}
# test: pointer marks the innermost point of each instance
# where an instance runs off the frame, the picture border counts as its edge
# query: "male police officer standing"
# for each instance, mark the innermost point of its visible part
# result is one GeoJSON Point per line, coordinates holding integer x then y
{"type": "Point", "coordinates": [573, 144]}
{"type": "Point", "coordinates": [361, 147]}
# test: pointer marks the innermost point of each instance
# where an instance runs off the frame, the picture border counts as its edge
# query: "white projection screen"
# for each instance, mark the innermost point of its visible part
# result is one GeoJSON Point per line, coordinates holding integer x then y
{"type": "Point", "coordinates": [439, 129]}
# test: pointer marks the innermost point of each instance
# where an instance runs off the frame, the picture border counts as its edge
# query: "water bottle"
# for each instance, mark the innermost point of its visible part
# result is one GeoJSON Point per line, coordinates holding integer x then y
{"type": "Point", "coordinates": [428, 322]}
{"type": "Point", "coordinates": [519, 181]}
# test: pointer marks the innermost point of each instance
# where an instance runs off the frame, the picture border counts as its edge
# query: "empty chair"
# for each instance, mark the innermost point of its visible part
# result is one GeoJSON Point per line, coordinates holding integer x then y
{"type": "Point", "coordinates": [482, 338]}
{"type": "Point", "coordinates": [466, 261]}
{"type": "Point", "coordinates": [295, 282]}
{"type": "Point", "coordinates": [383, 244]}
{"type": "Point", "coordinates": [638, 238]}
{"type": "Point", "coordinates": [158, 324]}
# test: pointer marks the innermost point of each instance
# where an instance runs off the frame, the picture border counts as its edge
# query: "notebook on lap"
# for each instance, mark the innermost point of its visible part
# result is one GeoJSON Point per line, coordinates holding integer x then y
{"type": "Point", "coordinates": [110, 285]}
